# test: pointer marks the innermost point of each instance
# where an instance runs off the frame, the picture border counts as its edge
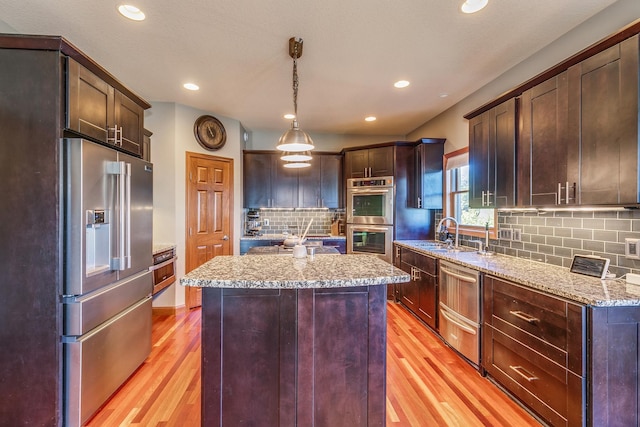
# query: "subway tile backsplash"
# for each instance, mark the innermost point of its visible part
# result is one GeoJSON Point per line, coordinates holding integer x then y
{"type": "Point", "coordinates": [555, 237]}
{"type": "Point", "coordinates": [294, 221]}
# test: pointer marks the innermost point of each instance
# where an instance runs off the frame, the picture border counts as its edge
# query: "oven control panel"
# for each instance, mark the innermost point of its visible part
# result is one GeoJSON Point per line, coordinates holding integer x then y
{"type": "Point", "coordinates": [385, 181]}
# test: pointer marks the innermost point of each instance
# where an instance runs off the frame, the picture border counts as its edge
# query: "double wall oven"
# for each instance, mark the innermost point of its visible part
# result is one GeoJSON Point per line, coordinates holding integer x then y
{"type": "Point", "coordinates": [370, 216]}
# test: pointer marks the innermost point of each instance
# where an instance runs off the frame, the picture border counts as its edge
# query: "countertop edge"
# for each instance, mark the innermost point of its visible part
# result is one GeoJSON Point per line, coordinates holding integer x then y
{"type": "Point", "coordinates": [532, 267]}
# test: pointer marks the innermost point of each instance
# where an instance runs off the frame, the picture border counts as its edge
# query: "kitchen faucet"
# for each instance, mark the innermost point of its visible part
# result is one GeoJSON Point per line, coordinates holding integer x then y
{"type": "Point", "coordinates": [440, 224]}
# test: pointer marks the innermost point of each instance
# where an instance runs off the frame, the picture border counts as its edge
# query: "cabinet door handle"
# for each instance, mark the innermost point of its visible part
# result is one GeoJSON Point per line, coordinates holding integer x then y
{"type": "Point", "coordinates": [524, 316]}
{"type": "Point", "coordinates": [483, 202]}
{"type": "Point", "coordinates": [419, 203]}
{"type": "Point", "coordinates": [523, 373]}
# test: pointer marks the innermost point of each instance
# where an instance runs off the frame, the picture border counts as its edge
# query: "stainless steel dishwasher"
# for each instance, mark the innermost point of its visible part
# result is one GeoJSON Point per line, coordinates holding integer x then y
{"type": "Point", "coordinates": [459, 309]}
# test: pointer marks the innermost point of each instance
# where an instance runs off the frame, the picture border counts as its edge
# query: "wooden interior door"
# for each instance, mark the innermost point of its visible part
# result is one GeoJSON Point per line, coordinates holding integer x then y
{"type": "Point", "coordinates": [209, 214]}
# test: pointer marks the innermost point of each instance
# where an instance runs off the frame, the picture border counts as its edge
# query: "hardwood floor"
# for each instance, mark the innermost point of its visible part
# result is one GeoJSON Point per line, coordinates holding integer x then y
{"type": "Point", "coordinates": [427, 383]}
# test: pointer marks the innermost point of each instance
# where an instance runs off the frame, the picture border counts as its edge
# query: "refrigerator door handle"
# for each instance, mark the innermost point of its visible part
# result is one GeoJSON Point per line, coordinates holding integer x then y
{"type": "Point", "coordinates": [119, 169]}
{"type": "Point", "coordinates": [127, 226]}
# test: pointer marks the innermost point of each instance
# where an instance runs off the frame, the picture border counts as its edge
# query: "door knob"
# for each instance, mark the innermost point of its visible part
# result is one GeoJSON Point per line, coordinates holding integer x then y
{"type": "Point", "coordinates": [225, 237]}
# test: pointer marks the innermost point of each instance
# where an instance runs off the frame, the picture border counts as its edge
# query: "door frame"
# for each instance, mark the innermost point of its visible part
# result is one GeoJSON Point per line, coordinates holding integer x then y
{"type": "Point", "coordinates": [189, 291]}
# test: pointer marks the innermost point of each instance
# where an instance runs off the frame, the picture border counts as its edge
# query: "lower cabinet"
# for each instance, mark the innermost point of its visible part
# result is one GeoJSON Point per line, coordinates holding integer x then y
{"type": "Point", "coordinates": [420, 295]}
{"type": "Point", "coordinates": [534, 345]}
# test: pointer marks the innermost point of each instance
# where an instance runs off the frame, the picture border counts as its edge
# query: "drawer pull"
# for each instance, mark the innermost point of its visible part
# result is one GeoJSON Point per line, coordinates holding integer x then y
{"type": "Point", "coordinates": [523, 373]}
{"type": "Point", "coordinates": [461, 277]}
{"type": "Point", "coordinates": [524, 316]}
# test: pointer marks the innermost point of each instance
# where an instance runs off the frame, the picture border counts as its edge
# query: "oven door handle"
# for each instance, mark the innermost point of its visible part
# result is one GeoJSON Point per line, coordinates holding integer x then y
{"type": "Point", "coordinates": [162, 264]}
{"type": "Point", "coordinates": [467, 279]}
{"type": "Point", "coordinates": [369, 190]}
{"type": "Point", "coordinates": [370, 228]}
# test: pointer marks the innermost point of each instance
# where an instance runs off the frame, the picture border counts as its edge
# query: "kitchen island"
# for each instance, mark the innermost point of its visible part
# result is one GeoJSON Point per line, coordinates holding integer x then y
{"type": "Point", "coordinates": [291, 342]}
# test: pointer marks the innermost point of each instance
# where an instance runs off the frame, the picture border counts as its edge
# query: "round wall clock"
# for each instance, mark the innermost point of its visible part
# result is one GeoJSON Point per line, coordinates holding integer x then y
{"type": "Point", "coordinates": [209, 132]}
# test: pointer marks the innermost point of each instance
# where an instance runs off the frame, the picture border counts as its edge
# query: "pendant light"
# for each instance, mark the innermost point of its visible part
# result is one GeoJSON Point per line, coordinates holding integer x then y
{"type": "Point", "coordinates": [294, 139]}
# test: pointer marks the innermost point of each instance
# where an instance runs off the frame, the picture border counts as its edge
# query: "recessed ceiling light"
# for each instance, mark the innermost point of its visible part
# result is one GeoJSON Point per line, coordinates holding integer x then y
{"type": "Point", "coordinates": [370, 119]}
{"type": "Point", "coordinates": [131, 12]}
{"type": "Point", "coordinates": [289, 116]}
{"type": "Point", "coordinates": [191, 86]}
{"type": "Point", "coordinates": [472, 6]}
{"type": "Point", "coordinates": [401, 83]}
{"type": "Point", "coordinates": [444, 95]}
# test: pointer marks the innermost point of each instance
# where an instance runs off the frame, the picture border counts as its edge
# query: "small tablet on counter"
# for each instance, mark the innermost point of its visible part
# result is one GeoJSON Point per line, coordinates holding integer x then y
{"type": "Point", "coordinates": [590, 265]}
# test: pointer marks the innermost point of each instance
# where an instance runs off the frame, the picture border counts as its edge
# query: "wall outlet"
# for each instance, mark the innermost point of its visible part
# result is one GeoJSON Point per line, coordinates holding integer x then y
{"type": "Point", "coordinates": [505, 234]}
{"type": "Point", "coordinates": [265, 222]}
{"type": "Point", "coordinates": [516, 235]}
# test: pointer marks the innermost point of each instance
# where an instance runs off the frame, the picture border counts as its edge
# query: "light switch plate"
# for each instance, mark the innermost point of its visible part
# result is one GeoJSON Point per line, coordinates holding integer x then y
{"type": "Point", "coordinates": [265, 222]}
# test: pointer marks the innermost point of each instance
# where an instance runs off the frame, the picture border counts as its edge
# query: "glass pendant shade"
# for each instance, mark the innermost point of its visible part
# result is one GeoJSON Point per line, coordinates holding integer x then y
{"type": "Point", "coordinates": [302, 156]}
{"type": "Point", "coordinates": [296, 165]}
{"type": "Point", "coordinates": [295, 140]}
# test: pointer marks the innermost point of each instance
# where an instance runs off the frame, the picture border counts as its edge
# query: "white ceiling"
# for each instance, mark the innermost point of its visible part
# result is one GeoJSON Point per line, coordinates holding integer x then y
{"type": "Point", "coordinates": [237, 51]}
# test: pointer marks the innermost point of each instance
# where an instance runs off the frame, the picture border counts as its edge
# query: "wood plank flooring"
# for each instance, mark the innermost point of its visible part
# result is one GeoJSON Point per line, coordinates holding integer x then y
{"type": "Point", "coordinates": [427, 383]}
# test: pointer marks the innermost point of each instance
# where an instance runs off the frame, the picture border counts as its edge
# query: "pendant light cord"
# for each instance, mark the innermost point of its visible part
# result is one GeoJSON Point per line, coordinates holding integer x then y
{"type": "Point", "coordinates": [295, 79]}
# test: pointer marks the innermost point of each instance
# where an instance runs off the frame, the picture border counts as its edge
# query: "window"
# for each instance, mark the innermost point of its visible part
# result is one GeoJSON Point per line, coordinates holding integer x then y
{"type": "Point", "coordinates": [472, 221]}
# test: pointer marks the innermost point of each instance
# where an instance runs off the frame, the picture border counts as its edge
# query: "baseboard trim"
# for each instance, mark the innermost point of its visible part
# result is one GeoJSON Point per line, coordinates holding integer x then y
{"type": "Point", "coordinates": [168, 311]}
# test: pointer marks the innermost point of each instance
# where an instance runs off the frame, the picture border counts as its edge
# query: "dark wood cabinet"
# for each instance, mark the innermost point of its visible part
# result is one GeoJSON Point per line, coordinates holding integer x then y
{"type": "Point", "coordinates": [614, 366]}
{"type": "Point", "coordinates": [534, 345]}
{"type": "Point", "coordinates": [257, 179]}
{"type": "Point", "coordinates": [492, 149]}
{"type": "Point", "coordinates": [319, 186]}
{"type": "Point", "coordinates": [267, 183]}
{"type": "Point", "coordinates": [547, 148]}
{"type": "Point", "coordinates": [286, 357]}
{"type": "Point", "coordinates": [369, 162]}
{"type": "Point", "coordinates": [146, 145]}
{"type": "Point", "coordinates": [420, 295]}
{"type": "Point", "coordinates": [603, 118]}
{"type": "Point", "coordinates": [426, 182]}
{"type": "Point", "coordinates": [97, 110]}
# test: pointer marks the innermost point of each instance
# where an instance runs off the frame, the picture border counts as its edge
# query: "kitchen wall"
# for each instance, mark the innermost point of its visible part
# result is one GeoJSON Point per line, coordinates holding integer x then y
{"type": "Point", "coordinates": [267, 140]}
{"type": "Point", "coordinates": [172, 127]}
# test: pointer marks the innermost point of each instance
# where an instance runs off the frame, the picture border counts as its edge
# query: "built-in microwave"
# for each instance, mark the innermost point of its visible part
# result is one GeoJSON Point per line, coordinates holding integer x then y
{"type": "Point", "coordinates": [370, 239]}
{"type": "Point", "coordinates": [370, 200]}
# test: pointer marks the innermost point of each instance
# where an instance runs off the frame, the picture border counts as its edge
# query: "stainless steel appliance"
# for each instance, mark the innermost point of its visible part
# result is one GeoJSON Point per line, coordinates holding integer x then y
{"type": "Point", "coordinates": [459, 309]}
{"type": "Point", "coordinates": [164, 269]}
{"type": "Point", "coordinates": [370, 200]}
{"type": "Point", "coordinates": [370, 239]}
{"type": "Point", "coordinates": [107, 214]}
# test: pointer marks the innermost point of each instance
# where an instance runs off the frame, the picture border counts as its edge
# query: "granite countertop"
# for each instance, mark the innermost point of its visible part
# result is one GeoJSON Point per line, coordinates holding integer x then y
{"type": "Point", "coordinates": [284, 236]}
{"type": "Point", "coordinates": [286, 272]}
{"type": "Point", "coordinates": [279, 250]}
{"type": "Point", "coordinates": [161, 247]}
{"type": "Point", "coordinates": [549, 278]}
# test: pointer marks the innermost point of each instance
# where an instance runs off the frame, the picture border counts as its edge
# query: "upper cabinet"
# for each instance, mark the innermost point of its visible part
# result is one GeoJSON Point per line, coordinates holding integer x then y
{"type": "Point", "coordinates": [268, 184]}
{"type": "Point", "coordinates": [603, 105]}
{"type": "Point", "coordinates": [577, 134]}
{"type": "Point", "coordinates": [547, 148]}
{"type": "Point", "coordinates": [425, 188]}
{"type": "Point", "coordinates": [369, 162]}
{"type": "Point", "coordinates": [101, 112]}
{"type": "Point", "coordinates": [492, 144]}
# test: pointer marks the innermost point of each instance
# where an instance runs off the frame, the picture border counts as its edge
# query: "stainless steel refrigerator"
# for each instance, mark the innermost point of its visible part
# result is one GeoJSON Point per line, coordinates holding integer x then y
{"type": "Point", "coordinates": [107, 215]}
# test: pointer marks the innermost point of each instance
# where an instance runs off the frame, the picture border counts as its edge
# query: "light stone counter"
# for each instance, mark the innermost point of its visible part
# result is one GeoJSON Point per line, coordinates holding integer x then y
{"type": "Point", "coordinates": [286, 272]}
{"type": "Point", "coordinates": [537, 275]}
